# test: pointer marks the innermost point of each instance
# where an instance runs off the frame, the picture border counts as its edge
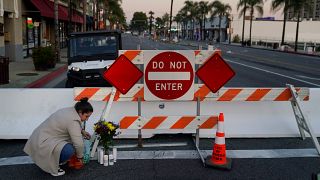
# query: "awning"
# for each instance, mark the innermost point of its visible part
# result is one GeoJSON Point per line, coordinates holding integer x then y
{"type": "Point", "coordinates": [46, 9]}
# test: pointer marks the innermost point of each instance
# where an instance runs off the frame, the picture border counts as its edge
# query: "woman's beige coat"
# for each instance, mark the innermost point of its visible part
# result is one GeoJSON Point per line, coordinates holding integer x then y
{"type": "Point", "coordinates": [46, 142]}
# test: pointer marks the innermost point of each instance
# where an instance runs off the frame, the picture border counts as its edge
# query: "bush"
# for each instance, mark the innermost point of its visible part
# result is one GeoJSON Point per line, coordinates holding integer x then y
{"type": "Point", "coordinates": [318, 49]}
{"type": "Point", "coordinates": [43, 58]}
{"type": "Point", "coordinates": [236, 39]}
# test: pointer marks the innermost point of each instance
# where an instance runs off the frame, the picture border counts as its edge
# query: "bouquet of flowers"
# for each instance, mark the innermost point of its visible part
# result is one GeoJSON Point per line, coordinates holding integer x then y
{"type": "Point", "coordinates": [106, 131]}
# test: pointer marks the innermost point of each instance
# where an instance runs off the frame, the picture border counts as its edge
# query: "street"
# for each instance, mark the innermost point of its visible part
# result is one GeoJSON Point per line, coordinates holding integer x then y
{"type": "Point", "coordinates": [253, 67]}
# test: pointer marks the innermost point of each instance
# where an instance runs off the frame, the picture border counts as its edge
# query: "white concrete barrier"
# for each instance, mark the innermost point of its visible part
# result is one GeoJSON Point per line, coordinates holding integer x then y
{"type": "Point", "coordinates": [22, 110]}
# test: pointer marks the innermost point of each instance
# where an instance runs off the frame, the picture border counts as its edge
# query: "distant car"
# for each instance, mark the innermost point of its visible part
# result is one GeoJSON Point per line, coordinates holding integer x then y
{"type": "Point", "coordinates": [286, 48]}
{"type": "Point", "coordinates": [135, 33]}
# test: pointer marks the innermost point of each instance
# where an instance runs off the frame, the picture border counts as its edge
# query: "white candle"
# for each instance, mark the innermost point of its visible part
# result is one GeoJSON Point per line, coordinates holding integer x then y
{"type": "Point", "coordinates": [98, 154]}
{"type": "Point", "coordinates": [110, 160]}
{"type": "Point", "coordinates": [105, 160]}
{"type": "Point", "coordinates": [114, 152]}
{"type": "Point", "coordinates": [101, 155]}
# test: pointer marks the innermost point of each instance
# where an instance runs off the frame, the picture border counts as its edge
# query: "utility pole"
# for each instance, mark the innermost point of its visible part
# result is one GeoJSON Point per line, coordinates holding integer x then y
{"type": "Point", "coordinates": [56, 28]}
{"type": "Point", "coordinates": [170, 20]}
{"type": "Point", "coordinates": [69, 17]}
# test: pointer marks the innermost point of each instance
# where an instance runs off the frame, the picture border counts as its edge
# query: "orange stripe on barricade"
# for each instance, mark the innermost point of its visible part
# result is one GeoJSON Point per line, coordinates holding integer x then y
{"type": "Point", "coordinates": [210, 123]}
{"type": "Point", "coordinates": [196, 52]}
{"type": "Point", "coordinates": [284, 96]}
{"type": "Point", "coordinates": [182, 122]}
{"type": "Point", "coordinates": [117, 96]}
{"type": "Point", "coordinates": [87, 92]}
{"type": "Point", "coordinates": [229, 95]}
{"type": "Point", "coordinates": [131, 54]}
{"type": "Point", "coordinates": [107, 97]}
{"type": "Point", "coordinates": [127, 121]}
{"type": "Point", "coordinates": [306, 98]}
{"type": "Point", "coordinates": [258, 94]}
{"type": "Point", "coordinates": [139, 94]}
{"type": "Point", "coordinates": [202, 93]}
{"type": "Point", "coordinates": [154, 122]}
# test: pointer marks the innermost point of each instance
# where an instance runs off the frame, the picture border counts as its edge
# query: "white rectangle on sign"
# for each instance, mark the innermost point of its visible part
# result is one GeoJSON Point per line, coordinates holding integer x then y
{"type": "Point", "coordinates": [169, 76]}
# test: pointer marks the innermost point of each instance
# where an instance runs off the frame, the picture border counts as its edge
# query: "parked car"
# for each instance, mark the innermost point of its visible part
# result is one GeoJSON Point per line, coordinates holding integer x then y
{"type": "Point", "coordinates": [89, 55]}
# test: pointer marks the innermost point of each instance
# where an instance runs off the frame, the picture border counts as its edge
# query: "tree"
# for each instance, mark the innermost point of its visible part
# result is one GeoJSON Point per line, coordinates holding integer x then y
{"type": "Point", "coordinates": [298, 6]}
{"type": "Point", "coordinates": [204, 9]}
{"type": "Point", "coordinates": [178, 18]}
{"type": "Point", "coordinates": [166, 19]}
{"type": "Point", "coordinates": [190, 9]}
{"type": "Point", "coordinates": [139, 21]}
{"type": "Point", "coordinates": [252, 6]}
{"type": "Point", "coordinates": [276, 6]}
{"type": "Point", "coordinates": [151, 13]}
{"type": "Point", "coordinates": [222, 10]}
{"type": "Point", "coordinates": [244, 5]}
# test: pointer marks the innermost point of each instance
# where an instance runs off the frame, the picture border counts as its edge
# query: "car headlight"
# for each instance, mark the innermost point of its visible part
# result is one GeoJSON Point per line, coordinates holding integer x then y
{"type": "Point", "coordinates": [75, 69]}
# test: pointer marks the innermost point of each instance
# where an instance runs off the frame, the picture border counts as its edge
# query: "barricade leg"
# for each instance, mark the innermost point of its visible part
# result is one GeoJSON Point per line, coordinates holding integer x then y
{"type": "Point", "coordinates": [302, 122]}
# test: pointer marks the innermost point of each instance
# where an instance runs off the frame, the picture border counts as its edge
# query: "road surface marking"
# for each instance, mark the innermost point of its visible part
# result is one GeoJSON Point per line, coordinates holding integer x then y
{"type": "Point", "coordinates": [306, 77]}
{"type": "Point", "coordinates": [307, 82]}
{"type": "Point", "coordinates": [276, 62]}
{"type": "Point", "coordinates": [189, 154]}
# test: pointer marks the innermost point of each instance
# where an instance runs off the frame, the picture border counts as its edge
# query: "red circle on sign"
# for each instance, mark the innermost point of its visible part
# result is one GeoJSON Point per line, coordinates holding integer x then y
{"type": "Point", "coordinates": [169, 75]}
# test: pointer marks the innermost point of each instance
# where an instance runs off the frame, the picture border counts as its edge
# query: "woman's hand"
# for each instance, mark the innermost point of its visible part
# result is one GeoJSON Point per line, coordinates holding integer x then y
{"type": "Point", "coordinates": [85, 134]}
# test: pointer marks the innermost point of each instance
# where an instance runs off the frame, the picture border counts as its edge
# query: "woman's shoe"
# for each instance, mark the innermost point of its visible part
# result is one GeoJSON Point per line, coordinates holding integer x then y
{"type": "Point", "coordinates": [60, 172]}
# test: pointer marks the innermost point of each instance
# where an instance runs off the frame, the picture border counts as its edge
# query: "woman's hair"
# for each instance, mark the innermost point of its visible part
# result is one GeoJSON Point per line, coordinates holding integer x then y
{"type": "Point", "coordinates": [83, 105]}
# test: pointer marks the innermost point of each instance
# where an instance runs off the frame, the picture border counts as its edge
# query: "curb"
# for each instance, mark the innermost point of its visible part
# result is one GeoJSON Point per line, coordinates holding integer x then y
{"type": "Point", "coordinates": [45, 79]}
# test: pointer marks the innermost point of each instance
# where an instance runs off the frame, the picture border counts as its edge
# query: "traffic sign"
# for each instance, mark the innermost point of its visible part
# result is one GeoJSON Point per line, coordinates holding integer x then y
{"type": "Point", "coordinates": [215, 72]}
{"type": "Point", "coordinates": [169, 75]}
{"type": "Point", "coordinates": [122, 74]}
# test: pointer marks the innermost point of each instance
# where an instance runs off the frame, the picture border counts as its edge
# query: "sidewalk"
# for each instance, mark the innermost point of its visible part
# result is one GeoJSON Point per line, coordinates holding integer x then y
{"type": "Point", "coordinates": [23, 74]}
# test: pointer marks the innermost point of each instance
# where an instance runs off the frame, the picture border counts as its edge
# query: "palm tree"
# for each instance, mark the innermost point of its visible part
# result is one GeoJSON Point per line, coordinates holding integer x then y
{"type": "Point", "coordinates": [252, 6]}
{"type": "Point", "coordinates": [298, 6]}
{"type": "Point", "coordinates": [203, 7]}
{"type": "Point", "coordinates": [244, 5]}
{"type": "Point", "coordinates": [277, 5]}
{"type": "Point", "coordinates": [222, 10]}
{"type": "Point", "coordinates": [151, 13]}
{"type": "Point", "coordinates": [191, 11]}
{"type": "Point", "coordinates": [165, 19]}
{"type": "Point", "coordinates": [178, 18]}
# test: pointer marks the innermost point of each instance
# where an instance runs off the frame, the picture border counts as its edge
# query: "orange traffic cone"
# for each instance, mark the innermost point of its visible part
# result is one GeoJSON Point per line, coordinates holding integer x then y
{"type": "Point", "coordinates": [218, 158]}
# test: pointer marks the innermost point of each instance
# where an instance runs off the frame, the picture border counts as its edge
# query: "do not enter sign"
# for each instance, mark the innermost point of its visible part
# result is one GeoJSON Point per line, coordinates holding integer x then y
{"type": "Point", "coordinates": [169, 75]}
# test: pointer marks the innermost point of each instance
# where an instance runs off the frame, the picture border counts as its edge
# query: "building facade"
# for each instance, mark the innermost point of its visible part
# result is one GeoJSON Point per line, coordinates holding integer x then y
{"type": "Point", "coordinates": [28, 24]}
{"type": "Point", "coordinates": [310, 13]}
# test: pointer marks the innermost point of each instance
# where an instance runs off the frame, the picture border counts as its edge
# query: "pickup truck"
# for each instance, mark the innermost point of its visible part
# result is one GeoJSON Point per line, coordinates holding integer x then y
{"type": "Point", "coordinates": [89, 55]}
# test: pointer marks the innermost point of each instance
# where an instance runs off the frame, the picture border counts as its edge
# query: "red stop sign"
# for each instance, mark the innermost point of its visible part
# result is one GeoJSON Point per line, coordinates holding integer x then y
{"type": "Point", "coordinates": [169, 75]}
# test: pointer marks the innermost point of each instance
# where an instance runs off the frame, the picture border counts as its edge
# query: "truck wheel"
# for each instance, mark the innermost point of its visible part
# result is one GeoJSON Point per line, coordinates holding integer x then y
{"type": "Point", "coordinates": [69, 84]}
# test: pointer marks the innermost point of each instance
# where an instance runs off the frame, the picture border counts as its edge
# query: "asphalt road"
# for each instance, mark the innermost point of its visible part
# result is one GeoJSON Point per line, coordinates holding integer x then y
{"type": "Point", "coordinates": [253, 67]}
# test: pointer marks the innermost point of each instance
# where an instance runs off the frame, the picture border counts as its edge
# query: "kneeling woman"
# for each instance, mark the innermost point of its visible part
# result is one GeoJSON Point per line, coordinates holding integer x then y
{"type": "Point", "coordinates": [59, 138]}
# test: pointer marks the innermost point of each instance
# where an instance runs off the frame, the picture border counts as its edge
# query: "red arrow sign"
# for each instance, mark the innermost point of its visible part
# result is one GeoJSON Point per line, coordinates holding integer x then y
{"type": "Point", "coordinates": [122, 74]}
{"type": "Point", "coordinates": [215, 72]}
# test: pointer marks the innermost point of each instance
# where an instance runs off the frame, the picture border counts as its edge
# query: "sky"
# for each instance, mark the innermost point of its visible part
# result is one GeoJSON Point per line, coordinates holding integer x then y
{"type": "Point", "coordinates": [160, 7]}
